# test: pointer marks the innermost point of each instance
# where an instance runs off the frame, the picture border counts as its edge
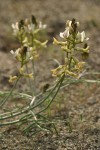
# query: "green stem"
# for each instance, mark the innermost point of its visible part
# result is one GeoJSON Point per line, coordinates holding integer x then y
{"type": "Point", "coordinates": [33, 68]}
{"type": "Point", "coordinates": [33, 107]}
{"type": "Point", "coordinates": [70, 63]}
{"type": "Point", "coordinates": [34, 85]}
{"type": "Point", "coordinates": [7, 97]}
{"type": "Point", "coordinates": [29, 80]}
{"type": "Point", "coordinates": [26, 109]}
{"type": "Point", "coordinates": [53, 96]}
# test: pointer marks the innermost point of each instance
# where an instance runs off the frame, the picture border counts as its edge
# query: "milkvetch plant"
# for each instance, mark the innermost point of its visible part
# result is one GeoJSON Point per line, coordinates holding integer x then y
{"type": "Point", "coordinates": [27, 31]}
{"type": "Point", "coordinates": [73, 43]}
{"type": "Point", "coordinates": [73, 67]}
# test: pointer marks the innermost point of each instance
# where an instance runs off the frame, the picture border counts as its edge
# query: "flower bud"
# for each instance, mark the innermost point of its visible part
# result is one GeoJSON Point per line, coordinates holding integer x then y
{"type": "Point", "coordinates": [12, 78]}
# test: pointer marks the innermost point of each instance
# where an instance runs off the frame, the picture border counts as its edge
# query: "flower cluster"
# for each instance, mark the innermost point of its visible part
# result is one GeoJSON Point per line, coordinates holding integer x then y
{"type": "Point", "coordinates": [27, 32]}
{"type": "Point", "coordinates": [71, 38]}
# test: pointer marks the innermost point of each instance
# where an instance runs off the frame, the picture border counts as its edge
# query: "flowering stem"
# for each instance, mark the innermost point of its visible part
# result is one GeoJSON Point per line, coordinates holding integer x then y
{"type": "Point", "coordinates": [70, 62]}
{"type": "Point", "coordinates": [34, 85]}
{"type": "Point", "coordinates": [30, 83]}
{"type": "Point", "coordinates": [32, 38]}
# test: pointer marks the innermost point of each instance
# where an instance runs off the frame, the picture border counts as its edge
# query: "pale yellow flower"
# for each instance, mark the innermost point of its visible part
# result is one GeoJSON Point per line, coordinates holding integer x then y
{"type": "Point", "coordinates": [12, 78]}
